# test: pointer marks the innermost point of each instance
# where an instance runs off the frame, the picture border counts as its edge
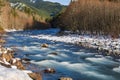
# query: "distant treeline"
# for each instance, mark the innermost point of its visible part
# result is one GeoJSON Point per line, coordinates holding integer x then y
{"type": "Point", "coordinates": [91, 16]}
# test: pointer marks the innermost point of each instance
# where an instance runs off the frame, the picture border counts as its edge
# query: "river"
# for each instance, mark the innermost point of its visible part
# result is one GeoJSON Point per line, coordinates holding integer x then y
{"type": "Point", "coordinates": [71, 60]}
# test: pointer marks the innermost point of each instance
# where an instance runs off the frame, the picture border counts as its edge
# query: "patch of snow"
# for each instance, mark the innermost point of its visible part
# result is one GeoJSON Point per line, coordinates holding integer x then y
{"type": "Point", "coordinates": [12, 74]}
{"type": "Point", "coordinates": [4, 60]}
{"type": "Point", "coordinates": [17, 59]}
{"type": "Point", "coordinates": [27, 71]}
{"type": "Point", "coordinates": [14, 60]}
{"type": "Point", "coordinates": [9, 49]}
{"type": "Point", "coordinates": [14, 67]}
{"type": "Point", "coordinates": [5, 52]}
{"type": "Point", "coordinates": [12, 30]}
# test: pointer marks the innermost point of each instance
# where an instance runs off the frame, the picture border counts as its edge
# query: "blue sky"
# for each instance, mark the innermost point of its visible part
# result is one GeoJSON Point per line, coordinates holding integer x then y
{"type": "Point", "coordinates": [64, 2]}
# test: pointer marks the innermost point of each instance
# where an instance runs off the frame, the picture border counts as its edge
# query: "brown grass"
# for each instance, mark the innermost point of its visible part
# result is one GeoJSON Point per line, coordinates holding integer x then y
{"type": "Point", "coordinates": [94, 16]}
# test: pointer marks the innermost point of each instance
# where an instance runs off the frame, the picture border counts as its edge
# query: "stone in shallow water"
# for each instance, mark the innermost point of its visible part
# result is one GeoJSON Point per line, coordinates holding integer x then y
{"type": "Point", "coordinates": [19, 65]}
{"type": "Point", "coordinates": [49, 70]}
{"type": "Point", "coordinates": [35, 76]}
{"type": "Point", "coordinates": [7, 56]}
{"type": "Point", "coordinates": [2, 41]}
{"type": "Point", "coordinates": [53, 53]}
{"type": "Point", "coordinates": [26, 59]}
{"type": "Point", "coordinates": [44, 45]}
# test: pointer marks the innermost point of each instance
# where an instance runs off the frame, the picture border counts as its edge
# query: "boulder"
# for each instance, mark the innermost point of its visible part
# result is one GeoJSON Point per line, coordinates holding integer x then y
{"type": "Point", "coordinates": [7, 56]}
{"type": "Point", "coordinates": [35, 76]}
{"type": "Point", "coordinates": [44, 45]}
{"type": "Point", "coordinates": [53, 53]}
{"type": "Point", "coordinates": [19, 65]}
{"type": "Point", "coordinates": [26, 59]}
{"type": "Point", "coordinates": [6, 65]}
{"type": "Point", "coordinates": [2, 41]}
{"type": "Point", "coordinates": [65, 78]}
{"type": "Point", "coordinates": [49, 70]}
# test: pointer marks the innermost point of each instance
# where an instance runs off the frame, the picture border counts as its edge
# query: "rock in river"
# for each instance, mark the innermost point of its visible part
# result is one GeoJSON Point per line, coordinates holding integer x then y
{"type": "Point", "coordinates": [53, 53]}
{"type": "Point", "coordinates": [19, 65]}
{"type": "Point", "coordinates": [44, 45]}
{"type": "Point", "coordinates": [35, 76]}
{"type": "Point", "coordinates": [49, 70]}
{"type": "Point", "coordinates": [7, 56]}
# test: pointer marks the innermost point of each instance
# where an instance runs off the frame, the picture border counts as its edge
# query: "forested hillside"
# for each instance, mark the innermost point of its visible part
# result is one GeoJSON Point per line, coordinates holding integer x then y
{"type": "Point", "coordinates": [20, 18]}
{"type": "Point", "coordinates": [92, 17]}
{"type": "Point", "coordinates": [44, 8]}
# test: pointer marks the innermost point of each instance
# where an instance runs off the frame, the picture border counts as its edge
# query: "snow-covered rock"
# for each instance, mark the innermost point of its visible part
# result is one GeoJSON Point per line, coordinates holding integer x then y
{"type": "Point", "coordinates": [65, 78]}
{"type": "Point", "coordinates": [12, 74]}
{"type": "Point", "coordinates": [35, 76]}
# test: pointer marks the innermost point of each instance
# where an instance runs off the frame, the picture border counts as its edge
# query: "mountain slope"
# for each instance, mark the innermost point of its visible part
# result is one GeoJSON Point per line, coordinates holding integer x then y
{"type": "Point", "coordinates": [15, 18]}
{"type": "Point", "coordinates": [44, 8]}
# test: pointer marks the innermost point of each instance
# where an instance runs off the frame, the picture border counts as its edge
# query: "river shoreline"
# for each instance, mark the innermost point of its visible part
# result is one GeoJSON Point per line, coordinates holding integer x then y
{"type": "Point", "coordinates": [12, 65]}
{"type": "Point", "coordinates": [36, 39]}
{"type": "Point", "coordinates": [103, 44]}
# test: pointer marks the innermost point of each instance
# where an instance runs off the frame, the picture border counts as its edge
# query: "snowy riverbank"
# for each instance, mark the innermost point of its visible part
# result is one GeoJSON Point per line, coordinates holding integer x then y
{"type": "Point", "coordinates": [101, 43]}
{"type": "Point", "coordinates": [68, 60]}
{"type": "Point", "coordinates": [13, 74]}
{"type": "Point", "coordinates": [12, 68]}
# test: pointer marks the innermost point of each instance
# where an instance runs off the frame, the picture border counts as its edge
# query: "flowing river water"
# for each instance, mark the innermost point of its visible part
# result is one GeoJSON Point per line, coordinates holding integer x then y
{"type": "Point", "coordinates": [70, 61]}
